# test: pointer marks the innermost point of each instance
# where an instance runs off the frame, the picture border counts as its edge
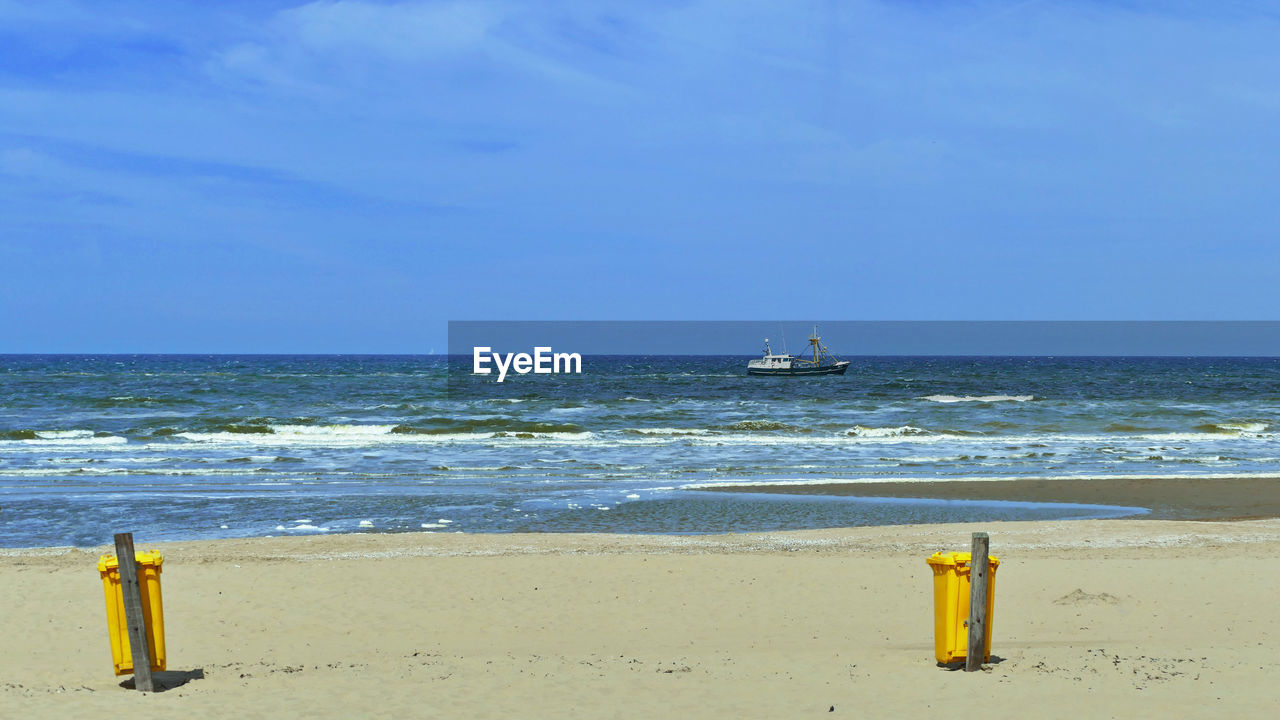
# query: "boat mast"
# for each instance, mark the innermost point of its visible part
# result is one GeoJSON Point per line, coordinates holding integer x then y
{"type": "Point", "coordinates": [813, 340]}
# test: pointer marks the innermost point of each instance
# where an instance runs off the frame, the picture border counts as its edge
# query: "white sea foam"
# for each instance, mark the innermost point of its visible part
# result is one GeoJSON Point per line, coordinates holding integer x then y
{"type": "Point", "coordinates": [66, 439]}
{"type": "Point", "coordinates": [635, 439]}
{"type": "Point", "coordinates": [667, 431]}
{"type": "Point", "coordinates": [633, 496]}
{"type": "Point", "coordinates": [164, 472]}
{"type": "Point", "coordinates": [119, 459]}
{"type": "Point", "coordinates": [366, 523]}
{"type": "Point", "coordinates": [791, 440]}
{"type": "Point", "coordinates": [336, 430]}
{"type": "Point", "coordinates": [107, 440]}
{"type": "Point", "coordinates": [222, 438]}
{"type": "Point", "coordinates": [875, 432]}
{"type": "Point", "coordinates": [557, 437]}
{"type": "Point", "coordinates": [976, 398]}
{"type": "Point", "coordinates": [432, 525]}
{"type": "Point", "coordinates": [916, 436]}
{"type": "Point", "coordinates": [364, 435]}
{"type": "Point", "coordinates": [63, 434]}
{"type": "Point", "coordinates": [1243, 427]}
{"type": "Point", "coordinates": [925, 459]}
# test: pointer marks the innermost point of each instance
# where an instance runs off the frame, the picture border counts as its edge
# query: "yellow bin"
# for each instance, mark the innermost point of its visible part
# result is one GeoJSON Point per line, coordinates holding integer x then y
{"type": "Point", "coordinates": [951, 604]}
{"type": "Point", "coordinates": [152, 610]}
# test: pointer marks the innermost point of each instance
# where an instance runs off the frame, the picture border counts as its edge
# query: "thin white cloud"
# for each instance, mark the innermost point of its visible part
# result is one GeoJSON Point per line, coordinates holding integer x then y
{"type": "Point", "coordinates": [347, 44]}
{"type": "Point", "coordinates": [24, 162]}
{"type": "Point", "coordinates": [324, 45]}
{"type": "Point", "coordinates": [403, 32]}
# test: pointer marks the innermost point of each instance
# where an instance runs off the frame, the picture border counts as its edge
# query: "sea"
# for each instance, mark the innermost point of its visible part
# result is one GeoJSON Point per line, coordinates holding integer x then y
{"type": "Point", "coordinates": [212, 446]}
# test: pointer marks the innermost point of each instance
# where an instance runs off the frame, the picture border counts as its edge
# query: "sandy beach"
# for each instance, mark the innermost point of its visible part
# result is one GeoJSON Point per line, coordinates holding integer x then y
{"type": "Point", "coordinates": [1121, 618]}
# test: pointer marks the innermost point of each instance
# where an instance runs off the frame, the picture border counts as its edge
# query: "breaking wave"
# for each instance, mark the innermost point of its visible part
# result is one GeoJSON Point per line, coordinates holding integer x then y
{"type": "Point", "coordinates": [1234, 427]}
{"type": "Point", "coordinates": [884, 432]}
{"type": "Point", "coordinates": [977, 398]}
{"type": "Point", "coordinates": [663, 431]}
{"type": "Point", "coordinates": [758, 425]}
{"type": "Point", "coordinates": [357, 435]}
{"type": "Point", "coordinates": [444, 426]}
{"type": "Point", "coordinates": [61, 437]}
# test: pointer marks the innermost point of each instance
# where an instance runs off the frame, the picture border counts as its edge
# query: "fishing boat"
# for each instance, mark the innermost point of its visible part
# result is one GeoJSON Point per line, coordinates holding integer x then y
{"type": "Point", "coordinates": [822, 362]}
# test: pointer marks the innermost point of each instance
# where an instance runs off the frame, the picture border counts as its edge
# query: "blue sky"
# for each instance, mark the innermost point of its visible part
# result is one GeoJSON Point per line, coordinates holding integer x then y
{"type": "Point", "coordinates": [349, 176]}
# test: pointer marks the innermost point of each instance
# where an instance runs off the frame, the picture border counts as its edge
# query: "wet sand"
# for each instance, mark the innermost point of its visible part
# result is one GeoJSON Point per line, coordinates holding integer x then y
{"type": "Point", "coordinates": [1167, 499]}
{"type": "Point", "coordinates": [1112, 618]}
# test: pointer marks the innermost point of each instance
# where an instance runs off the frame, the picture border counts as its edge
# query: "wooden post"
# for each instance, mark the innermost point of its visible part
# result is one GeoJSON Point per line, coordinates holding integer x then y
{"type": "Point", "coordinates": [978, 571]}
{"type": "Point", "coordinates": [133, 615]}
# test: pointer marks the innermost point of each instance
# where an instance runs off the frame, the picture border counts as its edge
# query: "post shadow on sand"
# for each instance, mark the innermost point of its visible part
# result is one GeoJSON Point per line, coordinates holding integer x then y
{"type": "Point", "coordinates": [169, 679]}
{"type": "Point", "coordinates": [952, 667]}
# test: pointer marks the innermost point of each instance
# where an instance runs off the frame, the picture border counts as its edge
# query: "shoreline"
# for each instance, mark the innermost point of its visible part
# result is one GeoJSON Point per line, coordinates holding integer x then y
{"type": "Point", "coordinates": [1191, 498]}
{"type": "Point", "coordinates": [1130, 533]}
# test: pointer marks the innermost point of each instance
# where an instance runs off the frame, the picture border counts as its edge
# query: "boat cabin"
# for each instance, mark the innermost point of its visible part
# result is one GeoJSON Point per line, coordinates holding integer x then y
{"type": "Point", "coordinates": [771, 361]}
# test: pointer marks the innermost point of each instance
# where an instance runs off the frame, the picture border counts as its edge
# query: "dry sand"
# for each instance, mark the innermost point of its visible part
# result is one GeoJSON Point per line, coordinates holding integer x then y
{"type": "Point", "coordinates": [1118, 618]}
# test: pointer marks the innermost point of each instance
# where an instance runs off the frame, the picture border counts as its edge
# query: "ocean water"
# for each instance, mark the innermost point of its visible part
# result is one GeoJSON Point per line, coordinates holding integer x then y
{"type": "Point", "coordinates": [184, 447]}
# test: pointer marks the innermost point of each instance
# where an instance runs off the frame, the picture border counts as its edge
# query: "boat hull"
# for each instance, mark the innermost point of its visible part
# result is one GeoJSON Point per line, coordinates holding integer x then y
{"type": "Point", "coordinates": [836, 369]}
